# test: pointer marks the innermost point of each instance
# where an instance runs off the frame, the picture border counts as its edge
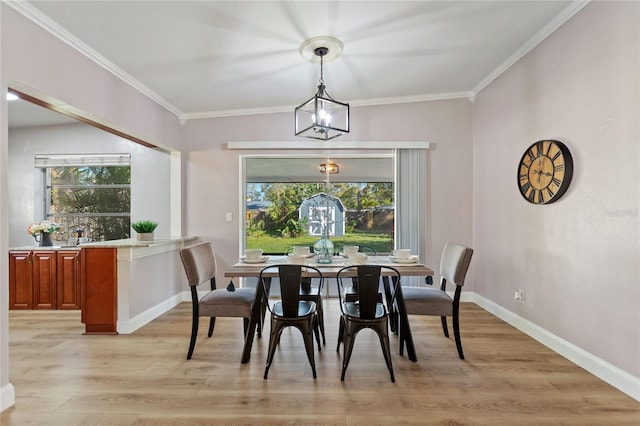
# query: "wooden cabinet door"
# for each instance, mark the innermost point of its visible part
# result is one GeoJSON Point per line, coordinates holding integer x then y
{"type": "Point", "coordinates": [68, 279]}
{"type": "Point", "coordinates": [44, 279]}
{"type": "Point", "coordinates": [20, 287]}
{"type": "Point", "coordinates": [99, 290]}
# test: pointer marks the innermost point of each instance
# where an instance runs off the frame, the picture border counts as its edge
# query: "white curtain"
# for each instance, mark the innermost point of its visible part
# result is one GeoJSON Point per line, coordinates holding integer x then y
{"type": "Point", "coordinates": [411, 189]}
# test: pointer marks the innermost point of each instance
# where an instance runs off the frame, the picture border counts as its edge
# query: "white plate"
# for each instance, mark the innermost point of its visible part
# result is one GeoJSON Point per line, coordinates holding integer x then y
{"type": "Point", "coordinates": [306, 256]}
{"type": "Point", "coordinates": [261, 259]}
{"type": "Point", "coordinates": [412, 259]}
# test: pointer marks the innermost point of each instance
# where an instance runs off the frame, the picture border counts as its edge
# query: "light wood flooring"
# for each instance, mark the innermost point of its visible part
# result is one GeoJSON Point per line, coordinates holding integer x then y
{"type": "Point", "coordinates": [64, 378]}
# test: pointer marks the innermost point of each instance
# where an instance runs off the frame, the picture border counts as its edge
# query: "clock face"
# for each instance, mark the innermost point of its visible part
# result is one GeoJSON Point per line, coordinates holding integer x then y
{"type": "Point", "coordinates": [545, 171]}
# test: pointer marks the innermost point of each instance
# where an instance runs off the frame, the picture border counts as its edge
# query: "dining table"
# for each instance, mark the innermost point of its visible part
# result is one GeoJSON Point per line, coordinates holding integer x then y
{"type": "Point", "coordinates": [399, 320]}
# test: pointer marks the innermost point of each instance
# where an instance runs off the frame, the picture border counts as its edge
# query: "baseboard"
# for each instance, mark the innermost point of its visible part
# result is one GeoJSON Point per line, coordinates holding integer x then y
{"type": "Point", "coordinates": [609, 373]}
{"type": "Point", "coordinates": [128, 327]}
{"type": "Point", "coordinates": [7, 397]}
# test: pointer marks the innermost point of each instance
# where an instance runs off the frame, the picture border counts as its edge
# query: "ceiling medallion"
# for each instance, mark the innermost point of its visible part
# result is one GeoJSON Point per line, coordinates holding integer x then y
{"type": "Point", "coordinates": [321, 117]}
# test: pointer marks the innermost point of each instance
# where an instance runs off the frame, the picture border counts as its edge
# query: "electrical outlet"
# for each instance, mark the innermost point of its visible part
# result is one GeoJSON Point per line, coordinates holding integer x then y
{"type": "Point", "coordinates": [519, 296]}
{"type": "Point", "coordinates": [229, 217]}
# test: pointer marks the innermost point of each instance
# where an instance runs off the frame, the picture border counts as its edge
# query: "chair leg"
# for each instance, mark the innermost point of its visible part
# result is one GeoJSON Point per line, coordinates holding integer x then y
{"type": "Point", "coordinates": [194, 334]}
{"type": "Point", "coordinates": [321, 320]}
{"type": "Point", "coordinates": [212, 323]}
{"type": "Point", "coordinates": [386, 349]}
{"type": "Point", "coordinates": [444, 326]}
{"type": "Point", "coordinates": [401, 335]}
{"type": "Point", "coordinates": [307, 335]}
{"type": "Point", "coordinates": [316, 331]}
{"type": "Point", "coordinates": [245, 324]}
{"type": "Point", "coordinates": [274, 339]}
{"type": "Point", "coordinates": [456, 334]}
{"type": "Point", "coordinates": [349, 338]}
{"type": "Point", "coordinates": [340, 334]}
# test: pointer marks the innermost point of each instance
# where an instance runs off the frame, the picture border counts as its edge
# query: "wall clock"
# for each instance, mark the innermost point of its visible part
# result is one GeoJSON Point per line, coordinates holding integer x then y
{"type": "Point", "coordinates": [545, 171]}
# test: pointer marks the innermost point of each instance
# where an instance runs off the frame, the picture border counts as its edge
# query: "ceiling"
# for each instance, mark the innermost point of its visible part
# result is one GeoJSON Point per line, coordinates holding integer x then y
{"type": "Point", "coordinates": [216, 58]}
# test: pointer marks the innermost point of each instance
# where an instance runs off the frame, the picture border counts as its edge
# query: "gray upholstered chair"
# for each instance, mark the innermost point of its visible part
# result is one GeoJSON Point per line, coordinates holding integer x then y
{"type": "Point", "coordinates": [454, 264]}
{"type": "Point", "coordinates": [199, 263]}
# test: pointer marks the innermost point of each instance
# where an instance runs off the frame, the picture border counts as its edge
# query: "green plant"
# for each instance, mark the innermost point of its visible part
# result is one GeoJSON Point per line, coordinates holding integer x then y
{"type": "Point", "coordinates": [144, 226]}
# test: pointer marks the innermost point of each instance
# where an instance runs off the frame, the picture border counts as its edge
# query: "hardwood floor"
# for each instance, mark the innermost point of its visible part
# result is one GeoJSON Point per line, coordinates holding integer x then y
{"type": "Point", "coordinates": [64, 378]}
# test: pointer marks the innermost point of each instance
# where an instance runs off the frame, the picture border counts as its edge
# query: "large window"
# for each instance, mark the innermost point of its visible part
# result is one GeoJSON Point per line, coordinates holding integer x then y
{"type": "Point", "coordinates": [90, 193]}
{"type": "Point", "coordinates": [289, 201]}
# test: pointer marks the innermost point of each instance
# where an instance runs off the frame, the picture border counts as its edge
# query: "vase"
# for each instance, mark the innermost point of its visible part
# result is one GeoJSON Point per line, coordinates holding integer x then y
{"type": "Point", "coordinates": [323, 249]}
{"type": "Point", "coordinates": [44, 240]}
{"type": "Point", "coordinates": [144, 236]}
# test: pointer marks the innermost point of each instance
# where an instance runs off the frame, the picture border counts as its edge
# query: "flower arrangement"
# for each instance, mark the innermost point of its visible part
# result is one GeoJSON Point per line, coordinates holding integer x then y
{"type": "Point", "coordinates": [44, 227]}
{"type": "Point", "coordinates": [144, 226]}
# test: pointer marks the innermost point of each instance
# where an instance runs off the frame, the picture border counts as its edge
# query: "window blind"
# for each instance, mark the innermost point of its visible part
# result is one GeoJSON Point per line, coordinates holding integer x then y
{"type": "Point", "coordinates": [78, 160]}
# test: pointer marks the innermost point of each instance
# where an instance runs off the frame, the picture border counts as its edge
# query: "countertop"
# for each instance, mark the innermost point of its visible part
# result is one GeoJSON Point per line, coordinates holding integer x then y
{"type": "Point", "coordinates": [129, 242]}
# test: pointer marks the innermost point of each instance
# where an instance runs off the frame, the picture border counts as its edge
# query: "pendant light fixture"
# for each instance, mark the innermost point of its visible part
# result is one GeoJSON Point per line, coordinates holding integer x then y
{"type": "Point", "coordinates": [321, 117]}
{"type": "Point", "coordinates": [329, 168]}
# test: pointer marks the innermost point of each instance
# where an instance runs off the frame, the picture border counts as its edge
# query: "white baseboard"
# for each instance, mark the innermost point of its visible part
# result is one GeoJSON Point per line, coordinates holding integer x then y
{"type": "Point", "coordinates": [128, 327]}
{"type": "Point", "coordinates": [609, 373]}
{"type": "Point", "coordinates": [7, 397]}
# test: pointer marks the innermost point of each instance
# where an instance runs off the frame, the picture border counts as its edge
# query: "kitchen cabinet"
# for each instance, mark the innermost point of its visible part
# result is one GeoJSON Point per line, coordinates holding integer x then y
{"type": "Point", "coordinates": [44, 279]}
{"type": "Point", "coordinates": [100, 290]}
{"type": "Point", "coordinates": [68, 282]}
{"type": "Point", "coordinates": [20, 279]}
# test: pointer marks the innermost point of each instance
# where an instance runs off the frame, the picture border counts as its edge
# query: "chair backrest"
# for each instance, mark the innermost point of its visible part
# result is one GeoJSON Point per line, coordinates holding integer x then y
{"type": "Point", "coordinates": [368, 286]}
{"type": "Point", "coordinates": [199, 263]}
{"type": "Point", "coordinates": [369, 250]}
{"type": "Point", "coordinates": [290, 276]}
{"type": "Point", "coordinates": [455, 263]}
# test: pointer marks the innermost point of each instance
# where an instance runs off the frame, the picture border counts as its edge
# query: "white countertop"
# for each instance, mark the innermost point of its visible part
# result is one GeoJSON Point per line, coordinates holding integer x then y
{"type": "Point", "coordinates": [132, 242]}
{"type": "Point", "coordinates": [129, 242]}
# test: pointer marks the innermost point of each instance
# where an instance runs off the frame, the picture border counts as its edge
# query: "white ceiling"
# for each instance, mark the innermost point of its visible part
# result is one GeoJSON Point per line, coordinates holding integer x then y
{"type": "Point", "coordinates": [216, 58]}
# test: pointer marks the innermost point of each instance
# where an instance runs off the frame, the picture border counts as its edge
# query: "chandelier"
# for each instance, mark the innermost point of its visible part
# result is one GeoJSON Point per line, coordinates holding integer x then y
{"type": "Point", "coordinates": [329, 168]}
{"type": "Point", "coordinates": [321, 117]}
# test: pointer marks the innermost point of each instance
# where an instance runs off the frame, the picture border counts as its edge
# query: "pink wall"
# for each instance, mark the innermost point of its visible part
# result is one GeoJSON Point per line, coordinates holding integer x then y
{"type": "Point", "coordinates": [211, 182]}
{"type": "Point", "coordinates": [33, 57]}
{"type": "Point", "coordinates": [577, 260]}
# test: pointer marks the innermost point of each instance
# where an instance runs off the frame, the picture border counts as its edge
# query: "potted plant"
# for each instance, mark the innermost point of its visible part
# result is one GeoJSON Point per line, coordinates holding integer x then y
{"type": "Point", "coordinates": [42, 231]}
{"type": "Point", "coordinates": [145, 229]}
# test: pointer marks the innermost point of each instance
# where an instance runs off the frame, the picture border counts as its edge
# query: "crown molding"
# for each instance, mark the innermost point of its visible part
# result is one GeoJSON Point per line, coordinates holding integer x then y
{"type": "Point", "coordinates": [545, 32]}
{"type": "Point", "coordinates": [32, 13]}
{"type": "Point", "coordinates": [332, 145]}
{"type": "Point", "coordinates": [357, 103]}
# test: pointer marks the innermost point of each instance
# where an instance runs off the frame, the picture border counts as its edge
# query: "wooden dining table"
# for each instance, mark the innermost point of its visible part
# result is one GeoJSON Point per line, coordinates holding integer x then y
{"type": "Point", "coordinates": [402, 327]}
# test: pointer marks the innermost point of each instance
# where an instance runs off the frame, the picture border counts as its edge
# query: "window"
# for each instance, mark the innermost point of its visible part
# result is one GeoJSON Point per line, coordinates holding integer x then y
{"type": "Point", "coordinates": [288, 201]}
{"type": "Point", "coordinates": [91, 193]}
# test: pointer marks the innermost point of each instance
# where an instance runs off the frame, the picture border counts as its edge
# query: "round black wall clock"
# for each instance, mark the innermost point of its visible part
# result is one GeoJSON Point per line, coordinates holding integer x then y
{"type": "Point", "coordinates": [545, 171]}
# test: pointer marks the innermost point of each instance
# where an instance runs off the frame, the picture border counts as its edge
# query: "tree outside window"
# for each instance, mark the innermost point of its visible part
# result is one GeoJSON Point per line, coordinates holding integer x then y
{"type": "Point", "coordinates": [94, 199]}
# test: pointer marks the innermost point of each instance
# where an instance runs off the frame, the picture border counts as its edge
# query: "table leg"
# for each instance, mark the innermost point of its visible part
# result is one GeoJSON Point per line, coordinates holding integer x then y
{"type": "Point", "coordinates": [405, 336]}
{"type": "Point", "coordinates": [393, 317]}
{"type": "Point", "coordinates": [256, 316]}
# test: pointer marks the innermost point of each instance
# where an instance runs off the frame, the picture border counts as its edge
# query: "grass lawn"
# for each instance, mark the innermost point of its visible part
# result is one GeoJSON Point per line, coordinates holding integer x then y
{"type": "Point", "coordinates": [382, 243]}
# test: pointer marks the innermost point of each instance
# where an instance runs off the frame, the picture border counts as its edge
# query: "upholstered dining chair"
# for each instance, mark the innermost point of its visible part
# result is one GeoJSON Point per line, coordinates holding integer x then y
{"type": "Point", "coordinates": [293, 310]}
{"type": "Point", "coordinates": [199, 263]}
{"type": "Point", "coordinates": [454, 264]}
{"type": "Point", "coordinates": [366, 310]}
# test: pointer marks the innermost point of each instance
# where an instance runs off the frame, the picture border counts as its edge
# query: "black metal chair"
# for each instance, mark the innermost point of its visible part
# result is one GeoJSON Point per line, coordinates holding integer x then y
{"type": "Point", "coordinates": [368, 311]}
{"type": "Point", "coordinates": [310, 292]}
{"type": "Point", "coordinates": [199, 263]}
{"type": "Point", "coordinates": [293, 310]}
{"type": "Point", "coordinates": [454, 264]}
